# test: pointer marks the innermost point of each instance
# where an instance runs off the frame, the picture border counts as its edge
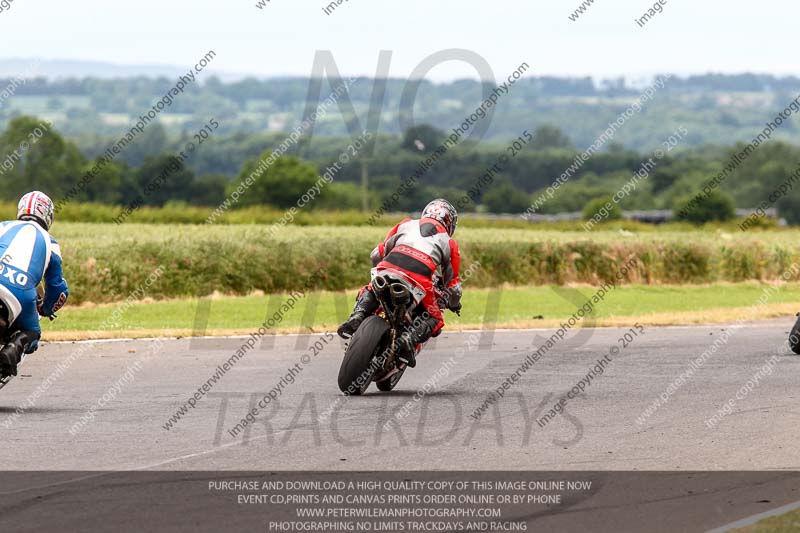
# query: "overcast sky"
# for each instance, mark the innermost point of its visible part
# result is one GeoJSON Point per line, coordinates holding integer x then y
{"type": "Point", "coordinates": [689, 36]}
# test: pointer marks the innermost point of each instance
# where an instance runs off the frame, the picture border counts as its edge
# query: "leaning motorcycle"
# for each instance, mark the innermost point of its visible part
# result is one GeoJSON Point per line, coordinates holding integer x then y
{"type": "Point", "coordinates": [794, 336]}
{"type": "Point", "coordinates": [371, 354]}
{"type": "Point", "coordinates": [5, 334]}
{"type": "Point", "coordinates": [6, 331]}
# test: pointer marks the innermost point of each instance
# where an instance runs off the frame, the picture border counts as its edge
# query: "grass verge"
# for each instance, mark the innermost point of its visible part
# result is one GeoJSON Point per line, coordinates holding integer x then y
{"type": "Point", "coordinates": [107, 262]}
{"type": "Point", "coordinates": [506, 307]}
{"type": "Point", "coordinates": [785, 523]}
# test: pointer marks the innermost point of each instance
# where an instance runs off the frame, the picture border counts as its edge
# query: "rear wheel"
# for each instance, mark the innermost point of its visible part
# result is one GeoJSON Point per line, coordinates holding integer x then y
{"type": "Point", "coordinates": [794, 336]}
{"type": "Point", "coordinates": [361, 359]}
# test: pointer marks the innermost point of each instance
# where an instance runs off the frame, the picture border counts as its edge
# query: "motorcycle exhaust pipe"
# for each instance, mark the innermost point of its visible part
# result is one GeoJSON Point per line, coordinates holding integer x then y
{"type": "Point", "coordinates": [399, 294]}
{"type": "Point", "coordinates": [380, 284]}
{"type": "Point", "coordinates": [381, 289]}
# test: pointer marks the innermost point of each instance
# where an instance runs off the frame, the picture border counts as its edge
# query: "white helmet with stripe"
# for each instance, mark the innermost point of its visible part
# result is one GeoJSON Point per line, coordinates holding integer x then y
{"type": "Point", "coordinates": [36, 206]}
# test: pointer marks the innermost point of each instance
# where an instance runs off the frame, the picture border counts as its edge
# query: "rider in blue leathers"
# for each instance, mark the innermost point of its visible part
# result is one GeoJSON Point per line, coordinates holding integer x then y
{"type": "Point", "coordinates": [28, 256]}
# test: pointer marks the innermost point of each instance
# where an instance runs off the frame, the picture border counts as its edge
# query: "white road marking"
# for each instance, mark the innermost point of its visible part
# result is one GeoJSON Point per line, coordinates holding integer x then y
{"type": "Point", "coordinates": [755, 518]}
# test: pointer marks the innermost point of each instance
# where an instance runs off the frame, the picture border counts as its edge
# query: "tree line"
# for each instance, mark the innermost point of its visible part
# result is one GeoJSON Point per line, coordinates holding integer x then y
{"type": "Point", "coordinates": [717, 109]}
{"type": "Point", "coordinates": [55, 163]}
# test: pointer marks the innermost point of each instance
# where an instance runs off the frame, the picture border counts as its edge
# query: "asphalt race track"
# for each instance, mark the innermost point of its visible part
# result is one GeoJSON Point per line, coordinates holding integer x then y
{"type": "Point", "coordinates": [597, 431]}
{"type": "Point", "coordinates": [310, 426]}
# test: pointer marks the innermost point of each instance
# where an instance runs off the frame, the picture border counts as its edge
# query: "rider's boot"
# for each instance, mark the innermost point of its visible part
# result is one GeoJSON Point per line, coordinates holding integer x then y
{"type": "Point", "coordinates": [11, 353]}
{"type": "Point", "coordinates": [408, 341]}
{"type": "Point", "coordinates": [366, 304]}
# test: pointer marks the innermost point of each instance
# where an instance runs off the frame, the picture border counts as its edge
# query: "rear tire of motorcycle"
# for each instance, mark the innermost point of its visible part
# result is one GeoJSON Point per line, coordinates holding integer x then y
{"type": "Point", "coordinates": [794, 337]}
{"type": "Point", "coordinates": [367, 343]}
{"type": "Point", "coordinates": [389, 384]}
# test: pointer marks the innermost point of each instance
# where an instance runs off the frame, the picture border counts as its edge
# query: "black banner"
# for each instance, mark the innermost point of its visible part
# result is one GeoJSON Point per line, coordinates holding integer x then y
{"type": "Point", "coordinates": [334, 502]}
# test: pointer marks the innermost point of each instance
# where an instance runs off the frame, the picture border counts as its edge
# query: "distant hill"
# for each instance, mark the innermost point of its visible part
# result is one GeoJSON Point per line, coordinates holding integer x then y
{"type": "Point", "coordinates": [60, 68]}
{"type": "Point", "coordinates": [91, 98]}
{"type": "Point", "coordinates": [71, 68]}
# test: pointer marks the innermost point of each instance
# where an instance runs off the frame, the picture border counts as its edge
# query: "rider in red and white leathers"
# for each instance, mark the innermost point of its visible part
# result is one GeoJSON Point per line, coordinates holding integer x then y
{"type": "Point", "coordinates": [416, 249]}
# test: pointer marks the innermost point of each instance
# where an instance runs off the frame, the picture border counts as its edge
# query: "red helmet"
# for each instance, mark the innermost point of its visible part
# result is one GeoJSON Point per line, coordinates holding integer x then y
{"type": "Point", "coordinates": [443, 211]}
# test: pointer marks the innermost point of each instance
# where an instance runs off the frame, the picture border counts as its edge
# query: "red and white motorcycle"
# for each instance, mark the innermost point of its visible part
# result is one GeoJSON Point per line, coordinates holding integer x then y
{"type": "Point", "coordinates": [371, 353]}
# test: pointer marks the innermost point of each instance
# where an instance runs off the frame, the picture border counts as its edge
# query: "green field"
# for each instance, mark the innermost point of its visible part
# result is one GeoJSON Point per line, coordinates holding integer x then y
{"type": "Point", "coordinates": [106, 262]}
{"type": "Point", "coordinates": [501, 307]}
{"type": "Point", "coordinates": [785, 523]}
